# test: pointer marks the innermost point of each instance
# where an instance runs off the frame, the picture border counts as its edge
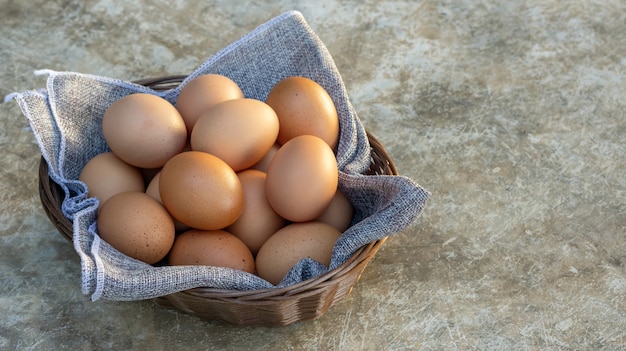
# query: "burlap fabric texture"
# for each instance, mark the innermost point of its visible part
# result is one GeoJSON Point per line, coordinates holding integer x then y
{"type": "Point", "coordinates": [66, 120]}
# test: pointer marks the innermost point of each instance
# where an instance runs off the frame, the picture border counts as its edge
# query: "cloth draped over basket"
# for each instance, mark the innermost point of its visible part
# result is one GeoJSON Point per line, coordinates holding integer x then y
{"type": "Point", "coordinates": [66, 120]}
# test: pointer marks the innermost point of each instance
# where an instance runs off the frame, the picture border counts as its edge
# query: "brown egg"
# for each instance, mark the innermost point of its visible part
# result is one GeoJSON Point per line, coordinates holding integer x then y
{"type": "Point", "coordinates": [293, 243]}
{"type": "Point", "coordinates": [144, 130]}
{"type": "Point", "coordinates": [136, 225]}
{"type": "Point", "coordinates": [264, 163]}
{"type": "Point", "coordinates": [106, 175]}
{"type": "Point", "coordinates": [203, 92]}
{"type": "Point", "coordinates": [216, 248]}
{"type": "Point", "coordinates": [239, 131]}
{"type": "Point", "coordinates": [153, 190]}
{"type": "Point", "coordinates": [338, 213]}
{"type": "Point", "coordinates": [201, 191]}
{"type": "Point", "coordinates": [302, 178]}
{"type": "Point", "coordinates": [304, 107]}
{"type": "Point", "coordinates": [258, 221]}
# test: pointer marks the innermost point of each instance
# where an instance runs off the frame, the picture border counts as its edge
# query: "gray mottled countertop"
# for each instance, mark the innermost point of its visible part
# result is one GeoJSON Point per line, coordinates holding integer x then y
{"type": "Point", "coordinates": [511, 113]}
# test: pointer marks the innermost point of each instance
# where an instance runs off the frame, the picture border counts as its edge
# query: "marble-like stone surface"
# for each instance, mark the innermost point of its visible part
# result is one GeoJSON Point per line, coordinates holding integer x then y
{"type": "Point", "coordinates": [510, 112]}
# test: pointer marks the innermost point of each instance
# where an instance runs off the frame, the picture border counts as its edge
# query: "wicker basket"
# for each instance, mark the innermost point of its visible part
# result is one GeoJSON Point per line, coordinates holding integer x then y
{"type": "Point", "coordinates": [269, 307]}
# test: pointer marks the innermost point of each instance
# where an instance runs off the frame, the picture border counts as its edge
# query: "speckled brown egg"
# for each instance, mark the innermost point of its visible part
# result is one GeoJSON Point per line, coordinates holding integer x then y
{"type": "Point", "coordinates": [203, 92]}
{"type": "Point", "coordinates": [216, 248]}
{"type": "Point", "coordinates": [136, 225]}
{"type": "Point", "coordinates": [258, 220]}
{"type": "Point", "coordinates": [302, 178]}
{"type": "Point", "coordinates": [338, 213]}
{"type": "Point", "coordinates": [153, 191]}
{"type": "Point", "coordinates": [293, 243]}
{"type": "Point", "coordinates": [239, 131]}
{"type": "Point", "coordinates": [144, 130]}
{"type": "Point", "coordinates": [201, 191]}
{"type": "Point", "coordinates": [106, 175]}
{"type": "Point", "coordinates": [304, 107]}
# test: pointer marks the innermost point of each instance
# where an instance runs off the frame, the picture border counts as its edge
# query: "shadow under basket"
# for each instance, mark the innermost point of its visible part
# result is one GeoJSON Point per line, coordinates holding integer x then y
{"type": "Point", "coordinates": [266, 307]}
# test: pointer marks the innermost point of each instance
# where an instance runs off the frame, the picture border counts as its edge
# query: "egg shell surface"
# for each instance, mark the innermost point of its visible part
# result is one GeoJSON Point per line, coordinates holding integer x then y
{"type": "Point", "coordinates": [304, 107]}
{"type": "Point", "coordinates": [137, 225]}
{"type": "Point", "coordinates": [291, 244]}
{"type": "Point", "coordinates": [203, 92]}
{"type": "Point", "coordinates": [216, 248]}
{"type": "Point", "coordinates": [144, 130]}
{"type": "Point", "coordinates": [302, 178]}
{"type": "Point", "coordinates": [239, 131]}
{"type": "Point", "coordinates": [201, 191]}
{"type": "Point", "coordinates": [106, 175]}
{"type": "Point", "coordinates": [258, 220]}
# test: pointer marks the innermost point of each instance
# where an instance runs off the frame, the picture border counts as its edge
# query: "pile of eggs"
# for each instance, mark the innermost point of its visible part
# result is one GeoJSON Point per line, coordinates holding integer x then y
{"type": "Point", "coordinates": [222, 180]}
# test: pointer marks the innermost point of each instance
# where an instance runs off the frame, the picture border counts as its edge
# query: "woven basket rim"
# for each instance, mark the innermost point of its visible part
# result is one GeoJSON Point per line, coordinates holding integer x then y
{"type": "Point", "coordinates": [52, 195]}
